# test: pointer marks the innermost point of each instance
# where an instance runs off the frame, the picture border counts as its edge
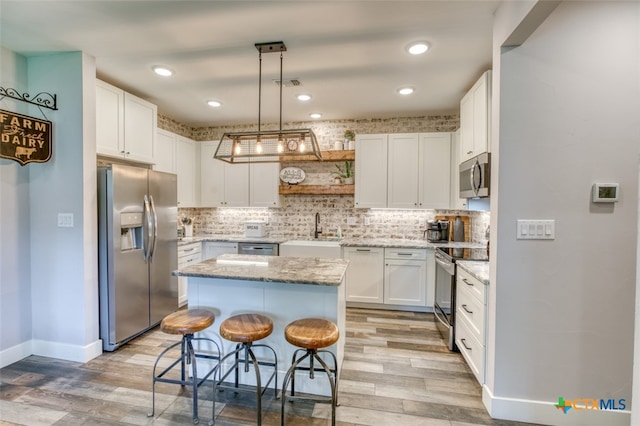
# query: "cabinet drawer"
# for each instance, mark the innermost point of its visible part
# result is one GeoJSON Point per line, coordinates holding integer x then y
{"type": "Point", "coordinates": [189, 249]}
{"type": "Point", "coordinates": [189, 260]}
{"type": "Point", "coordinates": [398, 253]}
{"type": "Point", "coordinates": [468, 281]}
{"type": "Point", "coordinates": [469, 306]}
{"type": "Point", "coordinates": [472, 351]}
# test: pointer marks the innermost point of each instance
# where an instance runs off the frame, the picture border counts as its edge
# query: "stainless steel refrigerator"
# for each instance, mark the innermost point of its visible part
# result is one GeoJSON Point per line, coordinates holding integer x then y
{"type": "Point", "coordinates": [137, 242]}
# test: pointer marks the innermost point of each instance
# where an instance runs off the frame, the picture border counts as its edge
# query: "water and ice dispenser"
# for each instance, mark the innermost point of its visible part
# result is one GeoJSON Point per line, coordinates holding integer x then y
{"type": "Point", "coordinates": [131, 231]}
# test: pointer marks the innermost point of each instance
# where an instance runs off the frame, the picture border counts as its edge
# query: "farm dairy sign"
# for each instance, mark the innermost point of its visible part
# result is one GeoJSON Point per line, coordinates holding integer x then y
{"type": "Point", "coordinates": [24, 139]}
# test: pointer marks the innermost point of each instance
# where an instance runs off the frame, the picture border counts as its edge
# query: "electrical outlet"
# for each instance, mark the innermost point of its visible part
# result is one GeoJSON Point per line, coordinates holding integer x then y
{"type": "Point", "coordinates": [422, 222]}
{"type": "Point", "coordinates": [367, 221]}
{"type": "Point", "coordinates": [351, 220]}
{"type": "Point", "coordinates": [65, 220]}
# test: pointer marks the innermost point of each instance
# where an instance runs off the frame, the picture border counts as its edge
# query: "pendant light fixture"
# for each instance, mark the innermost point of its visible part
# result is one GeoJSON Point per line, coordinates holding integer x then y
{"type": "Point", "coordinates": [269, 146]}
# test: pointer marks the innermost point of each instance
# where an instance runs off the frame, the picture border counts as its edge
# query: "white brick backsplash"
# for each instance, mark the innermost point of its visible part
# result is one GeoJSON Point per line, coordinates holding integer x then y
{"type": "Point", "coordinates": [295, 218]}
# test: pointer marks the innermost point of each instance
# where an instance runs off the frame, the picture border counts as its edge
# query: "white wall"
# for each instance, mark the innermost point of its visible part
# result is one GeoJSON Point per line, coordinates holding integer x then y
{"type": "Point", "coordinates": [15, 285]}
{"type": "Point", "coordinates": [564, 309]}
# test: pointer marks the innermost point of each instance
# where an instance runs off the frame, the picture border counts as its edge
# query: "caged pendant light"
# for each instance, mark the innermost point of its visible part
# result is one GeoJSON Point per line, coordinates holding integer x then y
{"type": "Point", "coordinates": [268, 146]}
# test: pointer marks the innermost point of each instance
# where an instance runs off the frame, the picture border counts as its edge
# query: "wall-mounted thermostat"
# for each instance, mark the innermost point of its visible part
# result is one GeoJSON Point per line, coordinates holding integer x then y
{"type": "Point", "coordinates": [605, 192]}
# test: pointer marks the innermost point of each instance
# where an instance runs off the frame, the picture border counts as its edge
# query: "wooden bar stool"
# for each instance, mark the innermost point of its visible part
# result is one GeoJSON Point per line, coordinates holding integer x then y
{"type": "Point", "coordinates": [245, 329]}
{"type": "Point", "coordinates": [311, 334]}
{"type": "Point", "coordinates": [185, 322]}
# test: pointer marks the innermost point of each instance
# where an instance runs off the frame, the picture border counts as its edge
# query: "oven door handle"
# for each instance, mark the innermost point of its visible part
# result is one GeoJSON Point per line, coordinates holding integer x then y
{"type": "Point", "coordinates": [447, 266]}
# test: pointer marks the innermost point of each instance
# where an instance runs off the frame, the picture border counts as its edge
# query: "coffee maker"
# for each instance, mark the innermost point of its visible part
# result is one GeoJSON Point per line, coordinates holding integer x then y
{"type": "Point", "coordinates": [437, 231]}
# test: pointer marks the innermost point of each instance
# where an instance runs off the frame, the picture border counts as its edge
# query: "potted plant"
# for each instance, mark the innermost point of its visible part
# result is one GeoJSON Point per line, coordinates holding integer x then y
{"type": "Point", "coordinates": [349, 134]}
{"type": "Point", "coordinates": [345, 174]}
{"type": "Point", "coordinates": [349, 137]}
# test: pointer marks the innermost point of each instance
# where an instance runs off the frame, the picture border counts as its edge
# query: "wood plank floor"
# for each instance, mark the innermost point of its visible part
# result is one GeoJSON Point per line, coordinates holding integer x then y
{"type": "Point", "coordinates": [397, 371]}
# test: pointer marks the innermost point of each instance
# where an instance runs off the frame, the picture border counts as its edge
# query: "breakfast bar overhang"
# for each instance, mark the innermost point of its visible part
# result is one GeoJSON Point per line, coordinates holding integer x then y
{"type": "Point", "coordinates": [283, 288]}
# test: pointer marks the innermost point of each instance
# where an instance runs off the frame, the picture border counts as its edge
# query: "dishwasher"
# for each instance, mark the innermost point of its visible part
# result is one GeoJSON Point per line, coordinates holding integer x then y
{"type": "Point", "coordinates": [264, 249]}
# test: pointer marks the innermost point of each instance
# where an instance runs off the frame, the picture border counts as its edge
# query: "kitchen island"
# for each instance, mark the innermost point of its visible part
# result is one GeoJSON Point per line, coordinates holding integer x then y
{"type": "Point", "coordinates": [283, 288]}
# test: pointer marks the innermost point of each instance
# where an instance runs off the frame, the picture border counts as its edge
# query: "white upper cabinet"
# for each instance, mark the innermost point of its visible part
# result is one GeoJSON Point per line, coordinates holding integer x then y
{"type": "Point", "coordinates": [264, 179]}
{"type": "Point", "coordinates": [434, 171]}
{"type": "Point", "coordinates": [187, 169]}
{"type": "Point", "coordinates": [371, 171]}
{"type": "Point", "coordinates": [236, 185]}
{"type": "Point", "coordinates": [456, 202]}
{"type": "Point", "coordinates": [475, 109]}
{"type": "Point", "coordinates": [402, 171]}
{"type": "Point", "coordinates": [165, 152]}
{"type": "Point", "coordinates": [125, 124]}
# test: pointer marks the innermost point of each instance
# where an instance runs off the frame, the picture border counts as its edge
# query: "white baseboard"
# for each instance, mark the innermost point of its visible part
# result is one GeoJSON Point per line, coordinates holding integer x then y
{"type": "Point", "coordinates": [15, 353]}
{"type": "Point", "coordinates": [51, 350]}
{"type": "Point", "coordinates": [543, 412]}
{"type": "Point", "coordinates": [67, 351]}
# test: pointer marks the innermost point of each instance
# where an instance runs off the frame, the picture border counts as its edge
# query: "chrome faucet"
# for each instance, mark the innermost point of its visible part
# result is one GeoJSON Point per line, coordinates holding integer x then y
{"type": "Point", "coordinates": [316, 231]}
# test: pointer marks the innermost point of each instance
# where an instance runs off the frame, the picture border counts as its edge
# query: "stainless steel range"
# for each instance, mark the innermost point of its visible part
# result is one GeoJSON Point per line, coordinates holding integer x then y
{"type": "Point", "coordinates": [445, 303]}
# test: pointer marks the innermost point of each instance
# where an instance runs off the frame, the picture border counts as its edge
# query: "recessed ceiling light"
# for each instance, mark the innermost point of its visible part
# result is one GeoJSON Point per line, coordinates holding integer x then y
{"type": "Point", "coordinates": [405, 90]}
{"type": "Point", "coordinates": [214, 104]}
{"type": "Point", "coordinates": [163, 71]}
{"type": "Point", "coordinates": [315, 115]}
{"type": "Point", "coordinates": [418, 47]}
{"type": "Point", "coordinates": [304, 97]}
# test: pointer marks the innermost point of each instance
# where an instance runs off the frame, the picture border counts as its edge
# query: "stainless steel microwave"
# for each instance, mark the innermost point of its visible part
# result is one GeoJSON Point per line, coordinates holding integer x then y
{"type": "Point", "coordinates": [475, 176]}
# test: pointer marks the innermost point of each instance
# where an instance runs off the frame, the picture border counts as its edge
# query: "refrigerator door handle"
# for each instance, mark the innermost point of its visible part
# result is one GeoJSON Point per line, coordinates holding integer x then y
{"type": "Point", "coordinates": [155, 228]}
{"type": "Point", "coordinates": [146, 241]}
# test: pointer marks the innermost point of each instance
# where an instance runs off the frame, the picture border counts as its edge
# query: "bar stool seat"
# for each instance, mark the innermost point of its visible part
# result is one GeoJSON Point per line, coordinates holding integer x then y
{"type": "Point", "coordinates": [186, 322]}
{"type": "Point", "coordinates": [245, 329]}
{"type": "Point", "coordinates": [311, 335]}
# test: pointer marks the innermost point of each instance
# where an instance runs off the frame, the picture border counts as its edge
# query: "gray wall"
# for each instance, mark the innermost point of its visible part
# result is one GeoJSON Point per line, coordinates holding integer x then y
{"type": "Point", "coordinates": [49, 288]}
{"type": "Point", "coordinates": [15, 282]}
{"type": "Point", "coordinates": [563, 310]}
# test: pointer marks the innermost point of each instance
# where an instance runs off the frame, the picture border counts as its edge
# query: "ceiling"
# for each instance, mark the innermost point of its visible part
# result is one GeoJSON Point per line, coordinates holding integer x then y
{"type": "Point", "coordinates": [348, 55]}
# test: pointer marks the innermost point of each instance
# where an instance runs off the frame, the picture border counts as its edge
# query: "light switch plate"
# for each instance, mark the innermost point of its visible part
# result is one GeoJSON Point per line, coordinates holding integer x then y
{"type": "Point", "coordinates": [536, 229]}
{"type": "Point", "coordinates": [65, 220]}
{"type": "Point", "coordinates": [351, 220]}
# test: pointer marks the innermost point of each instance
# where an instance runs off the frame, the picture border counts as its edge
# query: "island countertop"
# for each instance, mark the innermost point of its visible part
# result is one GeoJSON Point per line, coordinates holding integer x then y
{"type": "Point", "coordinates": [295, 270]}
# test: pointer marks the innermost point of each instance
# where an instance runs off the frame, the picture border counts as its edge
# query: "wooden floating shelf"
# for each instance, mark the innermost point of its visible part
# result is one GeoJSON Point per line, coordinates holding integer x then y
{"type": "Point", "coordinates": [317, 189]}
{"type": "Point", "coordinates": [348, 155]}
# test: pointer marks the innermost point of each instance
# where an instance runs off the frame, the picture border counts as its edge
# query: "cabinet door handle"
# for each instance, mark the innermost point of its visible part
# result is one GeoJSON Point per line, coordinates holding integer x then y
{"type": "Point", "coordinates": [191, 249]}
{"type": "Point", "coordinates": [363, 249]}
{"type": "Point", "coordinates": [405, 254]}
{"type": "Point", "coordinates": [464, 343]}
{"type": "Point", "coordinates": [469, 152]}
{"type": "Point", "coordinates": [467, 282]}
{"type": "Point", "coordinates": [466, 310]}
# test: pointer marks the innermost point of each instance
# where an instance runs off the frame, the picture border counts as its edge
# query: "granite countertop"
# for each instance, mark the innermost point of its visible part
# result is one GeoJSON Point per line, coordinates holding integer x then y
{"type": "Point", "coordinates": [479, 270]}
{"type": "Point", "coordinates": [294, 270]}
{"type": "Point", "coordinates": [347, 242]}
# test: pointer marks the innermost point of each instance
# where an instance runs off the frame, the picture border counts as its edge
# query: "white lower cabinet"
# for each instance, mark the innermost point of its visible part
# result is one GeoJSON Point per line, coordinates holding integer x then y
{"type": "Point", "coordinates": [471, 315]}
{"type": "Point", "coordinates": [365, 274]}
{"type": "Point", "coordinates": [393, 277]}
{"type": "Point", "coordinates": [405, 277]}
{"type": "Point", "coordinates": [213, 249]}
{"type": "Point", "coordinates": [188, 254]}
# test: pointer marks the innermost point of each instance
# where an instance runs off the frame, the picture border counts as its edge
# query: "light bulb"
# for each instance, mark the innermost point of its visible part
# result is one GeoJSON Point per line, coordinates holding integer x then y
{"type": "Point", "coordinates": [259, 147]}
{"type": "Point", "coordinates": [301, 146]}
{"type": "Point", "coordinates": [238, 149]}
{"type": "Point", "coordinates": [280, 144]}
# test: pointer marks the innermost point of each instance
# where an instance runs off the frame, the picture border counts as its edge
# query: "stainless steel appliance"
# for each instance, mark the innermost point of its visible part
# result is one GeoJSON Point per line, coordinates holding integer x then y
{"type": "Point", "coordinates": [445, 303]}
{"type": "Point", "coordinates": [137, 243]}
{"type": "Point", "coordinates": [475, 176]}
{"type": "Point", "coordinates": [264, 249]}
{"type": "Point", "coordinates": [437, 231]}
